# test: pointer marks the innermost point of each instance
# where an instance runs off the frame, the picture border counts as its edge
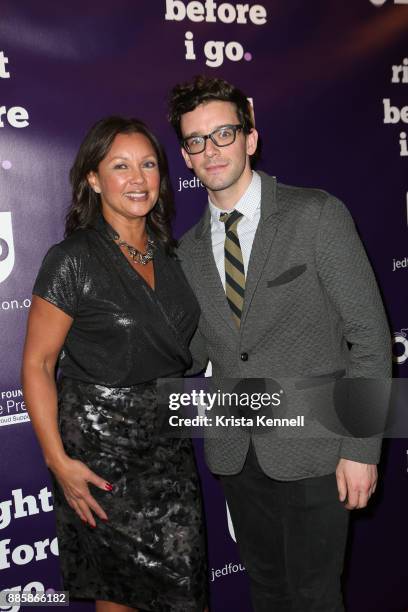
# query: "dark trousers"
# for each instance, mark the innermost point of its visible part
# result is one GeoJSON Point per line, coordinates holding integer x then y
{"type": "Point", "coordinates": [291, 537]}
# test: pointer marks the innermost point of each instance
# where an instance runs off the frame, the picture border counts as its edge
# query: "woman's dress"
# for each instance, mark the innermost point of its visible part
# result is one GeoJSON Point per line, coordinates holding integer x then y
{"type": "Point", "coordinates": [150, 554]}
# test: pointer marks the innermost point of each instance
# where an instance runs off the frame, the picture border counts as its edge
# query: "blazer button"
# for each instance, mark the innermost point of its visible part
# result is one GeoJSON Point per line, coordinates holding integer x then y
{"type": "Point", "coordinates": [244, 356]}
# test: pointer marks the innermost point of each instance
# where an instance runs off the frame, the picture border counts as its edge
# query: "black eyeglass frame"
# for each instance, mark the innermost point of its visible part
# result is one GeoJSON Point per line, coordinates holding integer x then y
{"type": "Point", "coordinates": [235, 127]}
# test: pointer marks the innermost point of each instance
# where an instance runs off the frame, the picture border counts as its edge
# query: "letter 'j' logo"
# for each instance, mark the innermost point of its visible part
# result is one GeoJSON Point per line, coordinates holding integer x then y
{"type": "Point", "coordinates": [6, 246]}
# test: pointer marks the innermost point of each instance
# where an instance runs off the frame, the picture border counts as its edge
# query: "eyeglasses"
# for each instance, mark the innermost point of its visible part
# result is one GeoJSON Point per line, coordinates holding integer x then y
{"type": "Point", "coordinates": [221, 137]}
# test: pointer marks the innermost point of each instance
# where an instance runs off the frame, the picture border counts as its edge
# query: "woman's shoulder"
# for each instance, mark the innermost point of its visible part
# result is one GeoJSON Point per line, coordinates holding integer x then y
{"type": "Point", "coordinates": [166, 254]}
{"type": "Point", "coordinates": [75, 245]}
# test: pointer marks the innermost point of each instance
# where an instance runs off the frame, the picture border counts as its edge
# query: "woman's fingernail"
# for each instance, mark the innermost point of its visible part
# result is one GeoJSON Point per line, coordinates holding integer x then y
{"type": "Point", "coordinates": [108, 486]}
{"type": "Point", "coordinates": [105, 520]}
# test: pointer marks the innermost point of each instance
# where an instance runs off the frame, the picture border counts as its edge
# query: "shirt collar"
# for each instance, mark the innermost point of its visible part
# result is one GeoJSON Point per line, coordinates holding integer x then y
{"type": "Point", "coordinates": [247, 205]}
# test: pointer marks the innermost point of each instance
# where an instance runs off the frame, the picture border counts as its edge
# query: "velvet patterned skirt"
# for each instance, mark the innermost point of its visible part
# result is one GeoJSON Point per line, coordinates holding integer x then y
{"type": "Point", "coordinates": [151, 553]}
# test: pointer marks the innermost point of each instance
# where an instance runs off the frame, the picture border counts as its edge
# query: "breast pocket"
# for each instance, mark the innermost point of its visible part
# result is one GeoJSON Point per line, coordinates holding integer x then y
{"type": "Point", "coordinates": [288, 275]}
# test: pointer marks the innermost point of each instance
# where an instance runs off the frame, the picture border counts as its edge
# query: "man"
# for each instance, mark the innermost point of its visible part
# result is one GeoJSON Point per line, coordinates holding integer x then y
{"type": "Point", "coordinates": [286, 290]}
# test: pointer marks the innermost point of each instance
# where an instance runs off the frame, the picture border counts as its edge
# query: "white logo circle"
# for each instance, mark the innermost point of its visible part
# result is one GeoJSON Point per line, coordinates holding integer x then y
{"type": "Point", "coordinates": [399, 338]}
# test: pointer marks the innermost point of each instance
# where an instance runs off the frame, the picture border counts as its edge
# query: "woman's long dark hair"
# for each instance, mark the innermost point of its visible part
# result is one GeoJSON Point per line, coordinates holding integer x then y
{"type": "Point", "coordinates": [85, 204]}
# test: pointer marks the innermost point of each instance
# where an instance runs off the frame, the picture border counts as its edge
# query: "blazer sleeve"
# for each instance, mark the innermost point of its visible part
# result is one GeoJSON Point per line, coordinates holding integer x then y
{"type": "Point", "coordinates": [199, 353]}
{"type": "Point", "coordinates": [348, 278]}
{"type": "Point", "coordinates": [198, 345]}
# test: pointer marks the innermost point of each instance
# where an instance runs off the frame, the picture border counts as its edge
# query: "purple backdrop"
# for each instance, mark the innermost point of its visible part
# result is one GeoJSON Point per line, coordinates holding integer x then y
{"type": "Point", "coordinates": [329, 82]}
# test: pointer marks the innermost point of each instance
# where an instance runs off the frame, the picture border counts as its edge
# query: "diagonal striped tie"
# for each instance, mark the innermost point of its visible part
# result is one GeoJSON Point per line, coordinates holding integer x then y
{"type": "Point", "coordinates": [234, 265]}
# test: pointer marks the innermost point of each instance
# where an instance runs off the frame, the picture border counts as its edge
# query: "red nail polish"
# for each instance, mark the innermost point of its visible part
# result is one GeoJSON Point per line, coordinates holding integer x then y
{"type": "Point", "coordinates": [108, 486]}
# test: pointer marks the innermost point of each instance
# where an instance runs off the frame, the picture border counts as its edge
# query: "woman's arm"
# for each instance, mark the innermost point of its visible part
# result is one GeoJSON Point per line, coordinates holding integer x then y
{"type": "Point", "coordinates": [46, 332]}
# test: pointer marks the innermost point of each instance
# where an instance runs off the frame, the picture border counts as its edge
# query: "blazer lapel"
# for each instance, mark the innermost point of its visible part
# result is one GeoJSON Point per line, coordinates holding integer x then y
{"type": "Point", "coordinates": [209, 277]}
{"type": "Point", "coordinates": [265, 233]}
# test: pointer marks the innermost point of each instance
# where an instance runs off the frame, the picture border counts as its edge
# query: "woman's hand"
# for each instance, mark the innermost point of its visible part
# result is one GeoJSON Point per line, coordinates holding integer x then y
{"type": "Point", "coordinates": [74, 476]}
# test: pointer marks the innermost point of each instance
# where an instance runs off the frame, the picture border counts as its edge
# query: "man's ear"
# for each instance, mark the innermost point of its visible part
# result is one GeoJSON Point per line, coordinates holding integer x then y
{"type": "Point", "coordinates": [186, 158]}
{"type": "Point", "coordinates": [94, 181]}
{"type": "Point", "coordinates": [251, 141]}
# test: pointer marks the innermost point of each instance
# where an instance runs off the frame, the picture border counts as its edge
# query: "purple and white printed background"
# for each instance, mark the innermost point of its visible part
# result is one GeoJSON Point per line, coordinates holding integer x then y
{"type": "Point", "coordinates": [329, 82]}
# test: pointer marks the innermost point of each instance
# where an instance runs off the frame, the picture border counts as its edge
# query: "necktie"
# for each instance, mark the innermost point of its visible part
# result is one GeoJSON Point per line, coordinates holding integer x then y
{"type": "Point", "coordinates": [234, 265]}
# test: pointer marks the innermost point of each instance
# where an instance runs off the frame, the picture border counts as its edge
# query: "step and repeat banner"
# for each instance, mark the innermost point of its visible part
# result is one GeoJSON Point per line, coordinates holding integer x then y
{"type": "Point", "coordinates": [329, 85]}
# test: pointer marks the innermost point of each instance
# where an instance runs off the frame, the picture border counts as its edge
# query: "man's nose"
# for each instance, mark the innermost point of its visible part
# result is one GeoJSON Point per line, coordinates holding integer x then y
{"type": "Point", "coordinates": [210, 148]}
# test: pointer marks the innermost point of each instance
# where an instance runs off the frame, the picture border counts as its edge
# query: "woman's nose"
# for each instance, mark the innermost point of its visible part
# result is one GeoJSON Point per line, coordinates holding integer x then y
{"type": "Point", "coordinates": [137, 176]}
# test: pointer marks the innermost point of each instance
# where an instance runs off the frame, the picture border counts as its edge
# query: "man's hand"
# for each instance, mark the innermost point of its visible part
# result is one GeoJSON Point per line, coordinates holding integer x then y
{"type": "Point", "coordinates": [356, 482]}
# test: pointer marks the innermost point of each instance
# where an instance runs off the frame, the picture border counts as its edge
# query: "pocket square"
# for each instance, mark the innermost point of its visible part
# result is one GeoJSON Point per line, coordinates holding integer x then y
{"type": "Point", "coordinates": [288, 275]}
{"type": "Point", "coordinates": [320, 379]}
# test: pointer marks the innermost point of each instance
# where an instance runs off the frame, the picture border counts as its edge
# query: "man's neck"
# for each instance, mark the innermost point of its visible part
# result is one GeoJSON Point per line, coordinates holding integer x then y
{"type": "Point", "coordinates": [226, 199]}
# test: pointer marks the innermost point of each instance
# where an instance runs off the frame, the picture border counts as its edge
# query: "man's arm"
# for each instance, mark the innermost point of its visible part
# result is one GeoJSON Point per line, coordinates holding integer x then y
{"type": "Point", "coordinates": [199, 353]}
{"type": "Point", "coordinates": [198, 347]}
{"type": "Point", "coordinates": [347, 276]}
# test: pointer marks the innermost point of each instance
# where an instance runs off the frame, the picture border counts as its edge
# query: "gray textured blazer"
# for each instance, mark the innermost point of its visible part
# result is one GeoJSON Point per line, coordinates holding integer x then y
{"type": "Point", "coordinates": [312, 310]}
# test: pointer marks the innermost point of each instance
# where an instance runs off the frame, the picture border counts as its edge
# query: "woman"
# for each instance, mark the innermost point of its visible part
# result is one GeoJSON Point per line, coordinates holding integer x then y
{"type": "Point", "coordinates": [111, 301]}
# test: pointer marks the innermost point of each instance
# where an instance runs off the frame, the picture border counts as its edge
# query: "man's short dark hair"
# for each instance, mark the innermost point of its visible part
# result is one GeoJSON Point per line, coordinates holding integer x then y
{"type": "Point", "coordinates": [185, 97]}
